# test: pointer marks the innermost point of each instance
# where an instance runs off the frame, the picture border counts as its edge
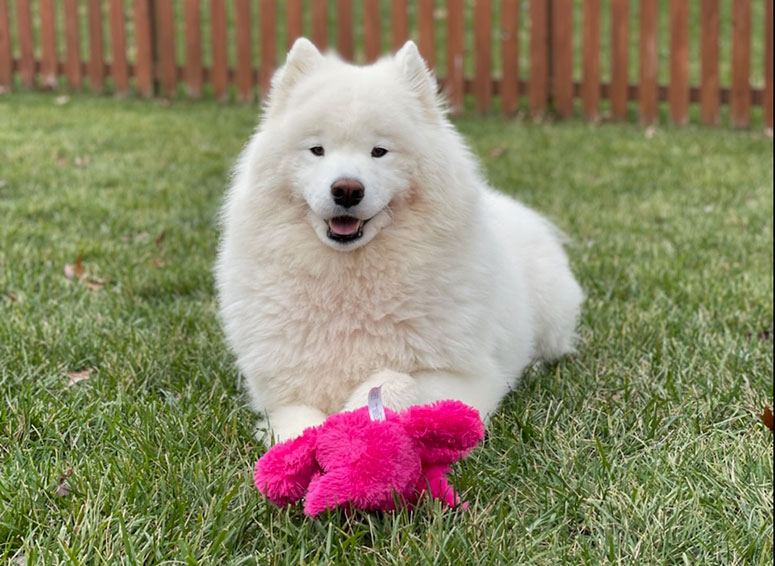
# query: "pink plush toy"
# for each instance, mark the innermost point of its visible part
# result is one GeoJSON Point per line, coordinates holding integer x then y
{"type": "Point", "coordinates": [354, 460]}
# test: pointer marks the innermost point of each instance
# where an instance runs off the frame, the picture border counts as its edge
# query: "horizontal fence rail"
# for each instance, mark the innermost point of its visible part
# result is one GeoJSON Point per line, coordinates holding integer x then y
{"type": "Point", "coordinates": [598, 58]}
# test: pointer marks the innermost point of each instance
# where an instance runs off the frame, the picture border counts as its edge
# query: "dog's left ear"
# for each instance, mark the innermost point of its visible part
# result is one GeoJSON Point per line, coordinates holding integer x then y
{"type": "Point", "coordinates": [413, 68]}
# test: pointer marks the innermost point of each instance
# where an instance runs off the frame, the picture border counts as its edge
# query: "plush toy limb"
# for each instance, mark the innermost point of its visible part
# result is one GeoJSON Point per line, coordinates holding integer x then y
{"type": "Point", "coordinates": [284, 472]}
{"type": "Point", "coordinates": [445, 430]}
{"type": "Point", "coordinates": [399, 390]}
{"type": "Point", "coordinates": [434, 481]}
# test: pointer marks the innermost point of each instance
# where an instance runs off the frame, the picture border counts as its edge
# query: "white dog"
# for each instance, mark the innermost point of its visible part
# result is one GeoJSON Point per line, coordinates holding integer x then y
{"type": "Point", "coordinates": [362, 247]}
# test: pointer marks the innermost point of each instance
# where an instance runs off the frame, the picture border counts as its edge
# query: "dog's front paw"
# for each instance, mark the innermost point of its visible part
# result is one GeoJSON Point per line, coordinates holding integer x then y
{"type": "Point", "coordinates": [399, 390]}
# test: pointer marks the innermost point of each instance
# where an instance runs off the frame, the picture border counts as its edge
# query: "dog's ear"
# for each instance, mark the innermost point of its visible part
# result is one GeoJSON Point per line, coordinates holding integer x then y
{"type": "Point", "coordinates": [302, 59]}
{"type": "Point", "coordinates": [414, 70]}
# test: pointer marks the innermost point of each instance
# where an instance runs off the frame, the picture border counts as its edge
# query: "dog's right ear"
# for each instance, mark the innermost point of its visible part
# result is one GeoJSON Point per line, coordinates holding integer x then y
{"type": "Point", "coordinates": [302, 59]}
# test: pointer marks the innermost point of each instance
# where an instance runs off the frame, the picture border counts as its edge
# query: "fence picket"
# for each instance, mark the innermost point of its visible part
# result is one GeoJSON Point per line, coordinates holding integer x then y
{"type": "Point", "coordinates": [165, 47]}
{"type": "Point", "coordinates": [740, 94]}
{"type": "Point", "coordinates": [268, 31]}
{"type": "Point", "coordinates": [562, 55]}
{"type": "Point", "coordinates": [454, 80]}
{"type": "Point", "coordinates": [219, 75]}
{"type": "Point", "coordinates": [482, 55]}
{"type": "Point", "coordinates": [143, 56]}
{"type": "Point", "coordinates": [72, 44]}
{"type": "Point", "coordinates": [590, 85]}
{"type": "Point", "coordinates": [344, 29]}
{"type": "Point", "coordinates": [6, 63]}
{"type": "Point", "coordinates": [193, 28]}
{"type": "Point", "coordinates": [96, 54]}
{"type": "Point", "coordinates": [48, 44]}
{"type": "Point", "coordinates": [371, 32]}
{"type": "Point", "coordinates": [679, 61]}
{"type": "Point", "coordinates": [539, 59]}
{"type": "Point", "coordinates": [648, 90]}
{"type": "Point", "coordinates": [118, 66]}
{"type": "Point", "coordinates": [709, 53]}
{"type": "Point", "coordinates": [619, 58]}
{"type": "Point", "coordinates": [319, 35]}
{"type": "Point", "coordinates": [399, 23]}
{"type": "Point", "coordinates": [26, 43]}
{"type": "Point", "coordinates": [426, 33]}
{"type": "Point", "coordinates": [509, 35]}
{"type": "Point", "coordinates": [294, 23]}
{"type": "Point", "coordinates": [244, 74]}
{"type": "Point", "coordinates": [768, 64]}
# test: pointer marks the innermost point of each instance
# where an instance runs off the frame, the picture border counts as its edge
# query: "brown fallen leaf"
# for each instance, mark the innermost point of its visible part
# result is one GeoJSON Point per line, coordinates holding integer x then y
{"type": "Point", "coordinates": [160, 238]}
{"type": "Point", "coordinates": [94, 285]}
{"type": "Point", "coordinates": [766, 418]}
{"type": "Point", "coordinates": [81, 161]}
{"type": "Point", "coordinates": [74, 271]}
{"type": "Point", "coordinates": [63, 488]}
{"type": "Point", "coordinates": [74, 377]}
{"type": "Point", "coordinates": [497, 152]}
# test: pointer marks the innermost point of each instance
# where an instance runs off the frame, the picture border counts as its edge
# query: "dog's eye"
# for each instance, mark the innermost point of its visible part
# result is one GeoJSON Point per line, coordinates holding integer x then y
{"type": "Point", "coordinates": [377, 151]}
{"type": "Point", "coordinates": [318, 150]}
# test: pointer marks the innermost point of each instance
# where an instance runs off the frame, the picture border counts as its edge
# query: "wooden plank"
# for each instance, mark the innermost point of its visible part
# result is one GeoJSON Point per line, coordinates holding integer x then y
{"type": "Point", "coordinates": [371, 32]}
{"type": "Point", "coordinates": [740, 103]}
{"type": "Point", "coordinates": [268, 31]}
{"type": "Point", "coordinates": [399, 23]}
{"type": "Point", "coordinates": [590, 86]}
{"type": "Point", "coordinates": [118, 67]}
{"type": "Point", "coordinates": [192, 19]}
{"type": "Point", "coordinates": [679, 61]}
{"type": "Point", "coordinates": [165, 47]}
{"type": "Point", "coordinates": [294, 21]}
{"type": "Point", "coordinates": [96, 48]}
{"type": "Point", "coordinates": [509, 88]}
{"type": "Point", "coordinates": [26, 43]}
{"type": "Point", "coordinates": [539, 58]}
{"type": "Point", "coordinates": [344, 29]}
{"type": "Point", "coordinates": [143, 54]}
{"type": "Point", "coordinates": [649, 60]}
{"type": "Point", "coordinates": [454, 84]}
{"type": "Point", "coordinates": [220, 73]}
{"type": "Point", "coordinates": [426, 32]}
{"type": "Point", "coordinates": [562, 57]}
{"type": "Point", "coordinates": [619, 57]}
{"type": "Point", "coordinates": [6, 62]}
{"type": "Point", "coordinates": [709, 54]}
{"type": "Point", "coordinates": [72, 44]}
{"type": "Point", "coordinates": [319, 10]}
{"type": "Point", "coordinates": [244, 75]}
{"type": "Point", "coordinates": [482, 55]}
{"type": "Point", "coordinates": [767, 102]}
{"type": "Point", "coordinates": [48, 43]}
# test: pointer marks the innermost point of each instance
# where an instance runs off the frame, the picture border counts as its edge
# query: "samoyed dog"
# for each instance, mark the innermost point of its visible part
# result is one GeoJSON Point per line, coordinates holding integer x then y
{"type": "Point", "coordinates": [362, 247]}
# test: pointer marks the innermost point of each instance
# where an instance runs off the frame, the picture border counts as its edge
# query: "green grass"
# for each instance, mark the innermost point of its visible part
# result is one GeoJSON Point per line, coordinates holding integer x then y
{"type": "Point", "coordinates": [644, 448]}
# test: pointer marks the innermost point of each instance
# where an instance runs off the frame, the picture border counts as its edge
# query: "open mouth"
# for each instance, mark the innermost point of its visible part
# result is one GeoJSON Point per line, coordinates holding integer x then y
{"type": "Point", "coordinates": [345, 228]}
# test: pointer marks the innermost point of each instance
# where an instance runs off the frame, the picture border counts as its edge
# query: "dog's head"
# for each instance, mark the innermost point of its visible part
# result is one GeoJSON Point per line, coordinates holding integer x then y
{"type": "Point", "coordinates": [351, 140]}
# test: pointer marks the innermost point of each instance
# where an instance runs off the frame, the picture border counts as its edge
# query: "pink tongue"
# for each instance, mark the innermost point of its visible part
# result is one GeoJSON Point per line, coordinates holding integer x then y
{"type": "Point", "coordinates": [344, 225]}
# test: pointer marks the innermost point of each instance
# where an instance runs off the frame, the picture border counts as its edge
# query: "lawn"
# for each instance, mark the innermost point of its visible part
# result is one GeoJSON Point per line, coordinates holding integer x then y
{"type": "Point", "coordinates": [124, 437]}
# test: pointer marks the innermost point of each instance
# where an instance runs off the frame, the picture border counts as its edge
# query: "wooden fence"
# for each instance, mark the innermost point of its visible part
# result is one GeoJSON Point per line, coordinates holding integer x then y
{"type": "Point", "coordinates": [548, 52]}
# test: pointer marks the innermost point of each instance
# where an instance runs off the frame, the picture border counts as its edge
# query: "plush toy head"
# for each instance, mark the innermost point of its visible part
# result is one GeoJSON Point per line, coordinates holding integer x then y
{"type": "Point", "coordinates": [352, 461]}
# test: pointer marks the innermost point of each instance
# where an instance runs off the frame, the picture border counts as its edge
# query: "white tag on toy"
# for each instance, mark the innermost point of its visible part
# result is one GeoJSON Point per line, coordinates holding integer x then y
{"type": "Point", "coordinates": [376, 408]}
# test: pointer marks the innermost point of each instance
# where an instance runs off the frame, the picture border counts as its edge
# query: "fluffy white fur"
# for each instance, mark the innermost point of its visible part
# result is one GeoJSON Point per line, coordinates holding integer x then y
{"type": "Point", "coordinates": [451, 291]}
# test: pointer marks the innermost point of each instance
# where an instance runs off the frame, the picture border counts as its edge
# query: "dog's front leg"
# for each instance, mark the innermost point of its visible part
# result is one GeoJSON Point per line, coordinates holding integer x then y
{"type": "Point", "coordinates": [289, 421]}
{"type": "Point", "coordinates": [399, 390]}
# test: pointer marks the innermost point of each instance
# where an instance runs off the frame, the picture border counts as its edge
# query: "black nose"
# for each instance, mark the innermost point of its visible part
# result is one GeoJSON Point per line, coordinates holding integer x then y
{"type": "Point", "coordinates": [347, 192]}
